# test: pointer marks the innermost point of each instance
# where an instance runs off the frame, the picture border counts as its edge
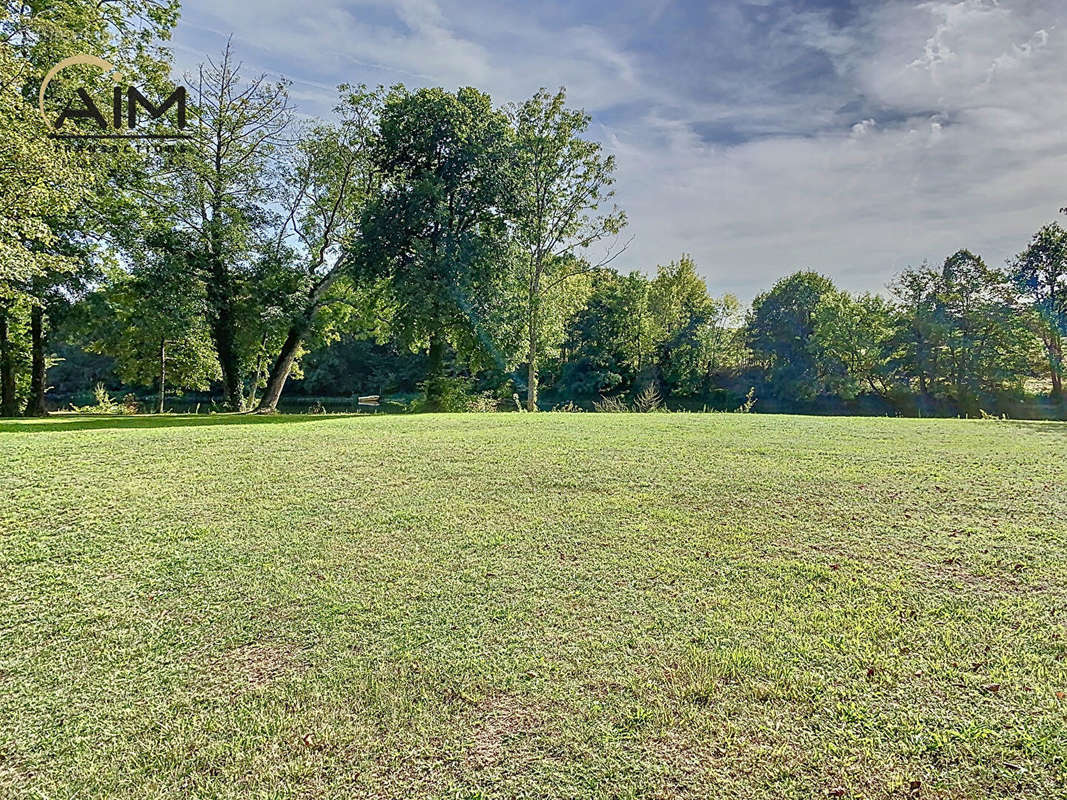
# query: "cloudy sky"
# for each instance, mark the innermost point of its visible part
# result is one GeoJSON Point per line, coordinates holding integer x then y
{"type": "Point", "coordinates": [854, 138]}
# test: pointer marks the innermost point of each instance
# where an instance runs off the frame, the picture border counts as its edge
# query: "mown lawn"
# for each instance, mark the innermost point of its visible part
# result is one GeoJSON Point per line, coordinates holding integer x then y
{"type": "Point", "coordinates": [553, 605]}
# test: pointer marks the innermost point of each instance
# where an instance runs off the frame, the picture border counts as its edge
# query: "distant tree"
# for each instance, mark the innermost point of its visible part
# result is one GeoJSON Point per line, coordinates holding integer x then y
{"type": "Point", "coordinates": [438, 231]}
{"type": "Point", "coordinates": [852, 340]}
{"type": "Point", "coordinates": [152, 320]}
{"type": "Point", "coordinates": [986, 345]}
{"type": "Point", "coordinates": [221, 193]}
{"type": "Point", "coordinates": [355, 364]}
{"type": "Point", "coordinates": [960, 336]}
{"type": "Point", "coordinates": [779, 332]}
{"type": "Point", "coordinates": [328, 180]}
{"type": "Point", "coordinates": [609, 339]}
{"type": "Point", "coordinates": [693, 334]}
{"type": "Point", "coordinates": [917, 343]}
{"type": "Point", "coordinates": [724, 347]}
{"type": "Point", "coordinates": [561, 180]}
{"type": "Point", "coordinates": [1040, 276]}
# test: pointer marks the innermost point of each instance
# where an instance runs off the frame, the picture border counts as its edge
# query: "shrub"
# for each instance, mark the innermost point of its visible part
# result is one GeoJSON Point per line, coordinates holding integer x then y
{"type": "Point", "coordinates": [484, 402]}
{"type": "Point", "coordinates": [570, 407]}
{"type": "Point", "coordinates": [103, 404]}
{"type": "Point", "coordinates": [750, 401]}
{"type": "Point", "coordinates": [648, 400]}
{"type": "Point", "coordinates": [611, 405]}
{"type": "Point", "coordinates": [448, 395]}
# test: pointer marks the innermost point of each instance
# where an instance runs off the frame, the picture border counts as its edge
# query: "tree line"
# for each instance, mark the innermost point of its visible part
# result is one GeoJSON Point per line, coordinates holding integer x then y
{"type": "Point", "coordinates": [433, 242]}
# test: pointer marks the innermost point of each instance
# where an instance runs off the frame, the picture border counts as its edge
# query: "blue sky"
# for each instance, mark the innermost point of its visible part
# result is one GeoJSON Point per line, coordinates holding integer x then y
{"type": "Point", "coordinates": [760, 137]}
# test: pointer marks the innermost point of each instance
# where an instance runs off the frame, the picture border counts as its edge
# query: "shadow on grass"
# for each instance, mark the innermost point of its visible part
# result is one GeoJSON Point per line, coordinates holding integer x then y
{"type": "Point", "coordinates": [69, 422]}
{"type": "Point", "coordinates": [1047, 427]}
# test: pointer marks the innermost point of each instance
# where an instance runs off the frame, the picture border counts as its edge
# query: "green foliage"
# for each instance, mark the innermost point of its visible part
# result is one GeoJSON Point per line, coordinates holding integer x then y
{"type": "Point", "coordinates": [220, 194]}
{"type": "Point", "coordinates": [450, 395]}
{"type": "Point", "coordinates": [104, 404]}
{"type": "Point", "coordinates": [327, 180]}
{"type": "Point", "coordinates": [437, 231]}
{"type": "Point", "coordinates": [750, 402]}
{"type": "Point", "coordinates": [611, 405]}
{"type": "Point", "coordinates": [154, 319]}
{"type": "Point", "coordinates": [852, 343]}
{"type": "Point", "coordinates": [648, 400]}
{"type": "Point", "coordinates": [39, 181]}
{"type": "Point", "coordinates": [560, 181]}
{"type": "Point", "coordinates": [779, 333]}
{"type": "Point", "coordinates": [14, 354]}
{"type": "Point", "coordinates": [959, 334]}
{"type": "Point", "coordinates": [607, 339]}
{"type": "Point", "coordinates": [1040, 276]}
{"type": "Point", "coordinates": [693, 336]}
{"type": "Point", "coordinates": [570, 407]}
{"type": "Point", "coordinates": [58, 206]}
{"type": "Point", "coordinates": [433, 222]}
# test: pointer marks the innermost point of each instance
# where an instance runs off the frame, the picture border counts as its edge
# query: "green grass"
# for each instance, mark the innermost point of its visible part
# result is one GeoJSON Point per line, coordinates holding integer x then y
{"type": "Point", "coordinates": [550, 605]}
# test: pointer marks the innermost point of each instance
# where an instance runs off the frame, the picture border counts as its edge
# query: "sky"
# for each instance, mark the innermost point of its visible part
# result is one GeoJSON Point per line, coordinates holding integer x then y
{"type": "Point", "coordinates": [853, 138]}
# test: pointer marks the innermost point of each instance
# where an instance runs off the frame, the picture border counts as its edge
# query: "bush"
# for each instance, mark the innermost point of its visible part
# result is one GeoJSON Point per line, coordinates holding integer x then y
{"type": "Point", "coordinates": [103, 404]}
{"type": "Point", "coordinates": [484, 402]}
{"type": "Point", "coordinates": [450, 396]}
{"type": "Point", "coordinates": [750, 402]}
{"type": "Point", "coordinates": [570, 407]}
{"type": "Point", "coordinates": [611, 405]}
{"type": "Point", "coordinates": [649, 400]}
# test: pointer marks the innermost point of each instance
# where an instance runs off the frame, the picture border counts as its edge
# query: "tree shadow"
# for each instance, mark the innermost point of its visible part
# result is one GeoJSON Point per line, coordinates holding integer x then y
{"type": "Point", "coordinates": [64, 422]}
{"type": "Point", "coordinates": [1044, 427]}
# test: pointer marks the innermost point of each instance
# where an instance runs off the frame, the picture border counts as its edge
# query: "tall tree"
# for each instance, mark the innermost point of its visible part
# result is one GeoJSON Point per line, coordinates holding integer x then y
{"type": "Point", "coordinates": [852, 341]}
{"type": "Point", "coordinates": [561, 181]}
{"type": "Point", "coordinates": [126, 33]}
{"type": "Point", "coordinates": [985, 344]}
{"type": "Point", "coordinates": [220, 192]}
{"type": "Point", "coordinates": [779, 332]}
{"type": "Point", "coordinates": [438, 229]}
{"type": "Point", "coordinates": [151, 319]}
{"type": "Point", "coordinates": [609, 340]}
{"type": "Point", "coordinates": [328, 181]}
{"type": "Point", "coordinates": [39, 180]}
{"type": "Point", "coordinates": [959, 335]}
{"type": "Point", "coordinates": [1040, 275]}
{"type": "Point", "coordinates": [682, 315]}
{"type": "Point", "coordinates": [917, 342]}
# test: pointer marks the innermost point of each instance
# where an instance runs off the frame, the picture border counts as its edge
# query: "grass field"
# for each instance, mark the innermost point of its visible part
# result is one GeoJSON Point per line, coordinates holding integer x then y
{"type": "Point", "coordinates": [553, 605]}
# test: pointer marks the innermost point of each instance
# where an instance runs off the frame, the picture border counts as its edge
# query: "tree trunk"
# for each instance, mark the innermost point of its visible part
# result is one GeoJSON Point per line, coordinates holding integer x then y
{"type": "Point", "coordinates": [435, 367]}
{"type": "Point", "coordinates": [279, 373]}
{"type": "Point", "coordinates": [531, 385]}
{"type": "Point", "coordinates": [38, 371]}
{"type": "Point", "coordinates": [1056, 363]}
{"type": "Point", "coordinates": [7, 369]}
{"type": "Point", "coordinates": [162, 373]}
{"type": "Point", "coordinates": [222, 335]}
{"type": "Point", "coordinates": [531, 378]}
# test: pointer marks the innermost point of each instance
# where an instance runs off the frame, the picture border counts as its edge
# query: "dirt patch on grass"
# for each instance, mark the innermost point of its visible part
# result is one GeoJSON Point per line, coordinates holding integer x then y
{"type": "Point", "coordinates": [257, 665]}
{"type": "Point", "coordinates": [508, 729]}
